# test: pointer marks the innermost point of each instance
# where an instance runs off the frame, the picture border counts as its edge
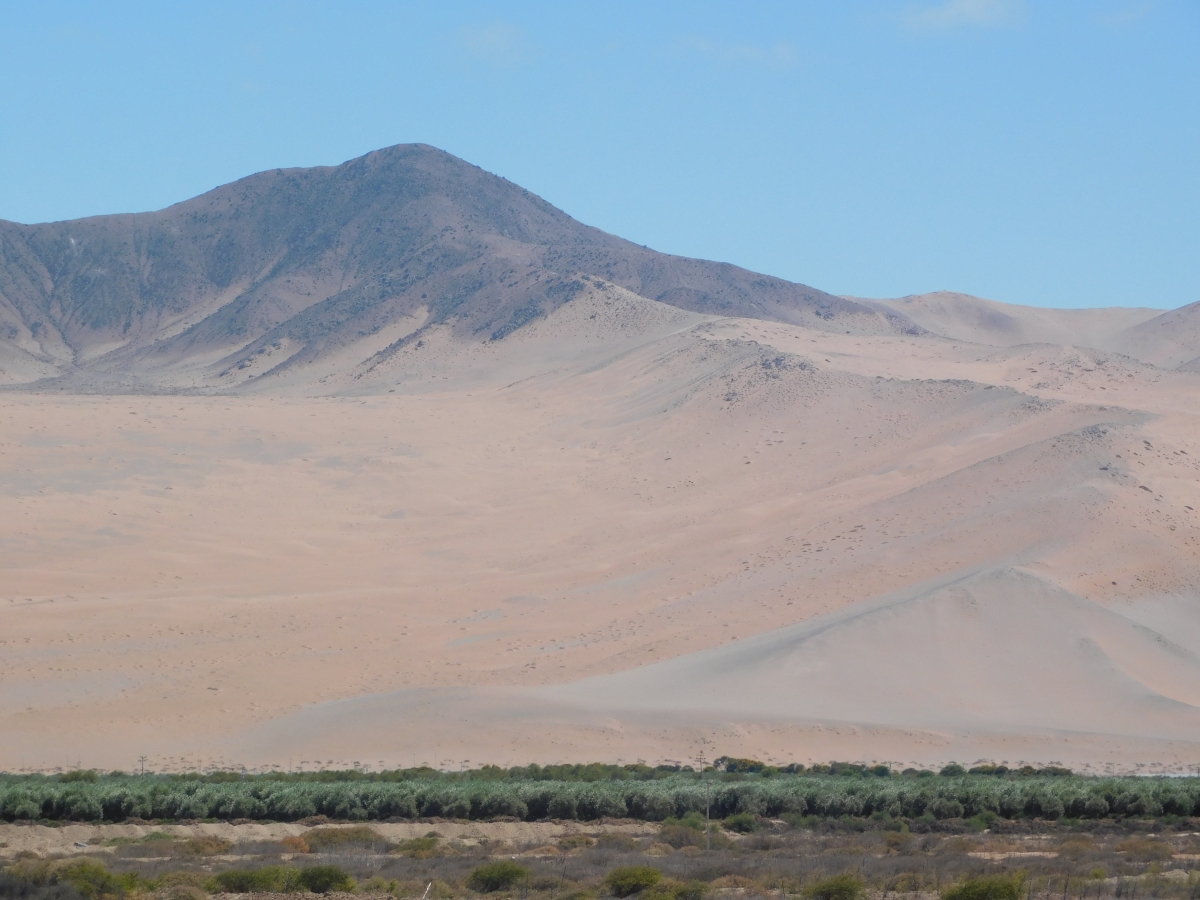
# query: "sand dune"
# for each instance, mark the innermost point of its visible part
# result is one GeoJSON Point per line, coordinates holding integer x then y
{"type": "Point", "coordinates": [1168, 340]}
{"type": "Point", "coordinates": [505, 488]}
{"type": "Point", "coordinates": [586, 539]}
{"type": "Point", "coordinates": [1019, 653]}
{"type": "Point", "coordinates": [1171, 340]}
{"type": "Point", "coordinates": [966, 318]}
{"type": "Point", "coordinates": [986, 655]}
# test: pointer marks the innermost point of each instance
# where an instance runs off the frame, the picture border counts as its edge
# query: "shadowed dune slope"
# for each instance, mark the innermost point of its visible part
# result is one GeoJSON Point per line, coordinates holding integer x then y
{"type": "Point", "coordinates": [994, 650]}
{"type": "Point", "coordinates": [976, 659]}
{"type": "Point", "coordinates": [1171, 340]}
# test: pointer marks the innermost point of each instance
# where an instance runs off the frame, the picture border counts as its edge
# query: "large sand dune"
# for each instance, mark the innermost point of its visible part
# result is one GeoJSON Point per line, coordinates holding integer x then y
{"type": "Point", "coordinates": [458, 503]}
{"type": "Point", "coordinates": [627, 531]}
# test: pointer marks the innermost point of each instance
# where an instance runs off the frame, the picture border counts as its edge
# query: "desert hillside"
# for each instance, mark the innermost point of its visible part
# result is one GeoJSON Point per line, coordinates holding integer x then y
{"type": "Point", "coordinates": [1167, 339]}
{"type": "Point", "coordinates": [393, 463]}
{"type": "Point", "coordinates": [294, 266]}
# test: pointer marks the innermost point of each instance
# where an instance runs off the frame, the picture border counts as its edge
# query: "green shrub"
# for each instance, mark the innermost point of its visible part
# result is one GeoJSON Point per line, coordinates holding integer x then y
{"type": "Point", "coordinates": [497, 876]}
{"type": "Point", "coordinates": [946, 809]}
{"type": "Point", "coordinates": [982, 821]}
{"type": "Point", "coordinates": [268, 879]}
{"type": "Point", "coordinates": [692, 820]}
{"type": "Point", "coordinates": [988, 887]}
{"type": "Point", "coordinates": [588, 793]}
{"type": "Point", "coordinates": [953, 770]}
{"type": "Point", "coordinates": [839, 887]}
{"type": "Point", "coordinates": [323, 879]}
{"type": "Point", "coordinates": [627, 880]}
{"type": "Point", "coordinates": [742, 823]}
{"type": "Point", "coordinates": [92, 881]}
{"type": "Point", "coordinates": [158, 836]}
{"type": "Point", "coordinates": [692, 890]}
{"type": "Point", "coordinates": [422, 847]}
{"type": "Point", "coordinates": [91, 776]}
{"type": "Point", "coordinates": [664, 890]}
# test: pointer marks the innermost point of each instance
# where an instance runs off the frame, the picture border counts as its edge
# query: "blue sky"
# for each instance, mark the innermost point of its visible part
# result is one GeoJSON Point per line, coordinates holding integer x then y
{"type": "Point", "coordinates": [1034, 152]}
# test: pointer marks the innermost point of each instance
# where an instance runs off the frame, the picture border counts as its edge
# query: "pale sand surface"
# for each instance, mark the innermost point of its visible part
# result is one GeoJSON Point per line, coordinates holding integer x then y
{"type": "Point", "coordinates": [626, 531]}
{"type": "Point", "coordinates": [974, 319]}
{"type": "Point", "coordinates": [46, 841]}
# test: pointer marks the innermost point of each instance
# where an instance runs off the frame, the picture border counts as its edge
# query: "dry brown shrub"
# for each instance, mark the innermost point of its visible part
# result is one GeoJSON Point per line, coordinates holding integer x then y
{"type": "Point", "coordinates": [182, 892]}
{"type": "Point", "coordinates": [295, 844]}
{"type": "Point", "coordinates": [1145, 849]}
{"type": "Point", "coordinates": [576, 842]}
{"type": "Point", "coordinates": [680, 836]}
{"type": "Point", "coordinates": [907, 883]}
{"type": "Point", "coordinates": [614, 840]}
{"type": "Point", "coordinates": [1076, 846]}
{"type": "Point", "coordinates": [735, 882]}
{"type": "Point", "coordinates": [378, 885]}
{"type": "Point", "coordinates": [335, 839]}
{"type": "Point", "coordinates": [544, 850]}
{"type": "Point", "coordinates": [205, 845]}
{"type": "Point", "coordinates": [176, 879]}
{"type": "Point", "coordinates": [897, 840]}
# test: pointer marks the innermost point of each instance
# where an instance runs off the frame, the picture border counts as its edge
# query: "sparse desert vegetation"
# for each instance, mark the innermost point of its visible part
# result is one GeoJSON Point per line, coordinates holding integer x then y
{"type": "Point", "coordinates": [839, 858]}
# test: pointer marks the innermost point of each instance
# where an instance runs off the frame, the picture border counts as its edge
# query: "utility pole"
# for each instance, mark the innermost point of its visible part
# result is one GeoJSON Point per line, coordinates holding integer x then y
{"type": "Point", "coordinates": [707, 804]}
{"type": "Point", "coordinates": [142, 761]}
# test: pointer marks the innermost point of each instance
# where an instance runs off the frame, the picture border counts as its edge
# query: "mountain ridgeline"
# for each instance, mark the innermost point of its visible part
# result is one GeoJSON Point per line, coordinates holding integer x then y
{"type": "Point", "coordinates": [322, 257]}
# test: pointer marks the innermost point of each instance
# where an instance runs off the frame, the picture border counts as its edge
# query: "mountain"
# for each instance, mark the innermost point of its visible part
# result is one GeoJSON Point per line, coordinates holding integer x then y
{"type": "Point", "coordinates": [316, 259]}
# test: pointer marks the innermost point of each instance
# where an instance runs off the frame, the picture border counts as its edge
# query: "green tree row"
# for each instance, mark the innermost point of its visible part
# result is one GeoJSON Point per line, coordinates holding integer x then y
{"type": "Point", "coordinates": [116, 799]}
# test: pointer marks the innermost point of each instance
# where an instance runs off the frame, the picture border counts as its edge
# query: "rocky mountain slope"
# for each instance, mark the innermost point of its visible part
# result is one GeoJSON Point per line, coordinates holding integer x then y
{"type": "Point", "coordinates": [304, 262]}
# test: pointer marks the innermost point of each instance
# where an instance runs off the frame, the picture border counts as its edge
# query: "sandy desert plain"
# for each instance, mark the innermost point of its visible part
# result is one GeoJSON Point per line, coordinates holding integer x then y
{"type": "Point", "coordinates": [619, 530]}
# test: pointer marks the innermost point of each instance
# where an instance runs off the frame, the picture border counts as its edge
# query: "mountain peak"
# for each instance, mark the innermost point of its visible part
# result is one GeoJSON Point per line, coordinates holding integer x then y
{"type": "Point", "coordinates": [319, 256]}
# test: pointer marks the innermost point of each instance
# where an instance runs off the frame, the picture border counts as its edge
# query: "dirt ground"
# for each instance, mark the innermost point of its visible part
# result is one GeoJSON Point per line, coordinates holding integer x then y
{"type": "Point", "coordinates": [70, 839]}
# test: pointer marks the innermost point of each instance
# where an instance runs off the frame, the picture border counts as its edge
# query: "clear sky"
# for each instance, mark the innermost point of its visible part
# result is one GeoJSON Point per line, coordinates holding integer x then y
{"type": "Point", "coordinates": [1033, 152]}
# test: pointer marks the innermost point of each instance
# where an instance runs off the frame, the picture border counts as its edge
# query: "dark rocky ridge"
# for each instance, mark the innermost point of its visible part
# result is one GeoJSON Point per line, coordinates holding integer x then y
{"type": "Point", "coordinates": [326, 255]}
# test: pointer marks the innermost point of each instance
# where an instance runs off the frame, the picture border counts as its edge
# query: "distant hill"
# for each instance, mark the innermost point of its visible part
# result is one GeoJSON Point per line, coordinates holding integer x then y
{"type": "Point", "coordinates": [324, 256]}
{"type": "Point", "coordinates": [1165, 339]}
{"type": "Point", "coordinates": [966, 318]}
{"type": "Point", "coordinates": [1170, 340]}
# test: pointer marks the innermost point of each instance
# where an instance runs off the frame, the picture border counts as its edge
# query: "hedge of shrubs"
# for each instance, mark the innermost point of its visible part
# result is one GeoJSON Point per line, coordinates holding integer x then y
{"type": "Point", "coordinates": [150, 797]}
